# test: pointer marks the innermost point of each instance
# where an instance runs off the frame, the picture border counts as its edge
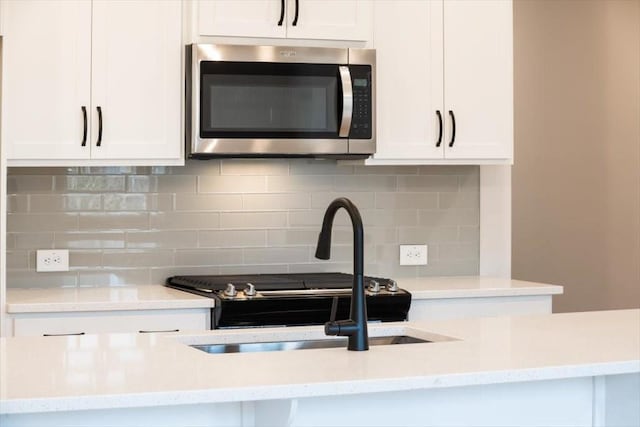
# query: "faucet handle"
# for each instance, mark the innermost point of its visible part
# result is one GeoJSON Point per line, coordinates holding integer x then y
{"type": "Point", "coordinates": [332, 328]}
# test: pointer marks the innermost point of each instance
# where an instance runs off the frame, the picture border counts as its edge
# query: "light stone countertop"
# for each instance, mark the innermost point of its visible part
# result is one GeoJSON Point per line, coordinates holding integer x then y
{"type": "Point", "coordinates": [473, 287]}
{"type": "Point", "coordinates": [133, 370]}
{"type": "Point", "coordinates": [107, 298]}
{"type": "Point", "coordinates": [153, 297]}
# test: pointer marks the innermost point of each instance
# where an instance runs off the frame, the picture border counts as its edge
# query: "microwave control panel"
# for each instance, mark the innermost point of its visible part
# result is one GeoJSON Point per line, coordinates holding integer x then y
{"type": "Point", "coordinates": [361, 121]}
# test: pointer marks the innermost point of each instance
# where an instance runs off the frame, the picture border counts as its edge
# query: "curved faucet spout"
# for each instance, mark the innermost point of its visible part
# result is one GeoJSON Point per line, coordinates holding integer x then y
{"type": "Point", "coordinates": [356, 327]}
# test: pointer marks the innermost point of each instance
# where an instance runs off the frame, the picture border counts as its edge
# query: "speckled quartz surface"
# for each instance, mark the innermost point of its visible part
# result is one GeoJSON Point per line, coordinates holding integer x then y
{"type": "Point", "coordinates": [159, 297]}
{"type": "Point", "coordinates": [143, 297]}
{"type": "Point", "coordinates": [128, 370]}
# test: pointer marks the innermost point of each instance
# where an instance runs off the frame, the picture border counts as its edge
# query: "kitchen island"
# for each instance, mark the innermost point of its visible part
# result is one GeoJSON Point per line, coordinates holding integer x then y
{"type": "Point", "coordinates": [562, 369]}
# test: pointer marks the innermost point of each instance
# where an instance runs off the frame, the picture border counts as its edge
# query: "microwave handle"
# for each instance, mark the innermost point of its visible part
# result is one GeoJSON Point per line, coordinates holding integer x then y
{"type": "Point", "coordinates": [347, 101]}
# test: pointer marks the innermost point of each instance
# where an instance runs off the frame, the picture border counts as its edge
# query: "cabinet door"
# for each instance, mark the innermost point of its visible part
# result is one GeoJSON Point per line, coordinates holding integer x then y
{"type": "Point", "coordinates": [330, 20]}
{"type": "Point", "coordinates": [246, 18]}
{"type": "Point", "coordinates": [136, 79]}
{"type": "Point", "coordinates": [46, 78]}
{"type": "Point", "coordinates": [478, 67]}
{"type": "Point", "coordinates": [408, 42]}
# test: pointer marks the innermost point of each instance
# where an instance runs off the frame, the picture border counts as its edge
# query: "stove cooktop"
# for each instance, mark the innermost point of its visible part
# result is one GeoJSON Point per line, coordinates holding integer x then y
{"type": "Point", "coordinates": [271, 282]}
{"type": "Point", "coordinates": [258, 300]}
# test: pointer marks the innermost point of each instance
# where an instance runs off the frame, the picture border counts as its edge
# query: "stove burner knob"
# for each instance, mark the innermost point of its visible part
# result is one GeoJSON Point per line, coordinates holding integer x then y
{"type": "Point", "coordinates": [230, 291]}
{"type": "Point", "coordinates": [374, 287]}
{"type": "Point", "coordinates": [250, 290]}
{"type": "Point", "coordinates": [392, 286]}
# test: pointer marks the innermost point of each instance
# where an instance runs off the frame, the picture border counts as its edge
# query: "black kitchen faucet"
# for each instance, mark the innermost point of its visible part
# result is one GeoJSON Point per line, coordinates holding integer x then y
{"type": "Point", "coordinates": [356, 326]}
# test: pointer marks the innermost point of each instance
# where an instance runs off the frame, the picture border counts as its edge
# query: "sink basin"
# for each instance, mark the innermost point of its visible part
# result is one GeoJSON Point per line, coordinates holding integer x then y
{"type": "Point", "coordinates": [302, 344]}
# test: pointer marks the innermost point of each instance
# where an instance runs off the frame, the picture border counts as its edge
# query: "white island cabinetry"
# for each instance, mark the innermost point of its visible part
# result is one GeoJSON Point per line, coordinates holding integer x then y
{"type": "Point", "coordinates": [92, 82]}
{"type": "Point", "coordinates": [444, 82]}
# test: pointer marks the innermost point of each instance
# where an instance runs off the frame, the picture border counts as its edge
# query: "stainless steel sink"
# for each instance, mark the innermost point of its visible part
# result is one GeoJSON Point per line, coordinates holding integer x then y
{"type": "Point", "coordinates": [302, 344]}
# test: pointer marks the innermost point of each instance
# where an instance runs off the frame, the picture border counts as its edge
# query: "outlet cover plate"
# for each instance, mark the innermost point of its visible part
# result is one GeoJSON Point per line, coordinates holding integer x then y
{"type": "Point", "coordinates": [52, 260]}
{"type": "Point", "coordinates": [413, 254]}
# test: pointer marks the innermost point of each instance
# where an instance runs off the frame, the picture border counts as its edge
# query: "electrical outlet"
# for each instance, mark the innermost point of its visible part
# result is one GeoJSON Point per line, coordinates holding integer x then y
{"type": "Point", "coordinates": [413, 254]}
{"type": "Point", "coordinates": [52, 260]}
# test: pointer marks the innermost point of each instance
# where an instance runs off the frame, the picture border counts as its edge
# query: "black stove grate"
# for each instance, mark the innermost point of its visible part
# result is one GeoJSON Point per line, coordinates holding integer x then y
{"type": "Point", "coordinates": [262, 282]}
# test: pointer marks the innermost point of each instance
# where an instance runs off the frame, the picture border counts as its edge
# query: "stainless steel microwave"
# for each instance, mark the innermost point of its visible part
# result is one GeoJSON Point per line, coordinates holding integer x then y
{"type": "Point", "coordinates": [276, 101]}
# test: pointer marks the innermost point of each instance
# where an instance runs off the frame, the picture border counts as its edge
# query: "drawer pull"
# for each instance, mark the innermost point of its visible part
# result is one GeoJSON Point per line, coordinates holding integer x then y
{"type": "Point", "coordinates": [63, 335]}
{"type": "Point", "coordinates": [154, 332]}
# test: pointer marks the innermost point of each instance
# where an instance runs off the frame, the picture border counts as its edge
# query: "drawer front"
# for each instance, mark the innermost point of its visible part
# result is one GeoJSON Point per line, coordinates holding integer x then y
{"type": "Point", "coordinates": [147, 321]}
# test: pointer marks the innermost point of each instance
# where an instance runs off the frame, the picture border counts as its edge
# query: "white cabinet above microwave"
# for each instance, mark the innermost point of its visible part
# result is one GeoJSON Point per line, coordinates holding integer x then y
{"type": "Point", "coordinates": [92, 82]}
{"type": "Point", "coordinates": [445, 82]}
{"type": "Point", "coordinates": [293, 19]}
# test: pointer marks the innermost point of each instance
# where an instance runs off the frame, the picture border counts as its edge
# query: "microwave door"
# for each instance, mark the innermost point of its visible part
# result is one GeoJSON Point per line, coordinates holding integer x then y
{"type": "Point", "coordinates": [270, 99]}
{"type": "Point", "coordinates": [274, 108]}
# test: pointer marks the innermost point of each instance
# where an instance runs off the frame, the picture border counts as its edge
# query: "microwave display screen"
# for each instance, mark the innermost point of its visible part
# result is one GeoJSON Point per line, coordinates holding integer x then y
{"type": "Point", "coordinates": [360, 82]}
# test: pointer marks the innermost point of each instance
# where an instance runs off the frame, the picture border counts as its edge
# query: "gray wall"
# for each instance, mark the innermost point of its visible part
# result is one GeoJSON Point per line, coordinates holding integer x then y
{"type": "Point", "coordinates": [576, 179]}
{"type": "Point", "coordinates": [141, 225]}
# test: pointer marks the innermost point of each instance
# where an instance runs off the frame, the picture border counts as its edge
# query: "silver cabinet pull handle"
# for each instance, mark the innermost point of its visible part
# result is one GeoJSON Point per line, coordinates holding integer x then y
{"type": "Point", "coordinates": [159, 331]}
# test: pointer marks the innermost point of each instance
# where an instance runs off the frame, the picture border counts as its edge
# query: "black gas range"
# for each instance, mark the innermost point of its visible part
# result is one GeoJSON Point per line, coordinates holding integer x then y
{"type": "Point", "coordinates": [262, 300]}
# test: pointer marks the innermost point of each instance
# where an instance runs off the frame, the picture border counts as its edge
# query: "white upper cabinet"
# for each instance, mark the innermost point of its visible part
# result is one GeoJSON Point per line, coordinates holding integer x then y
{"type": "Point", "coordinates": [46, 79]}
{"type": "Point", "coordinates": [409, 81]}
{"type": "Point", "coordinates": [330, 20]}
{"type": "Point", "coordinates": [95, 81]}
{"type": "Point", "coordinates": [444, 81]}
{"type": "Point", "coordinates": [299, 19]}
{"type": "Point", "coordinates": [478, 82]}
{"type": "Point", "coordinates": [247, 18]}
{"type": "Point", "coordinates": [136, 79]}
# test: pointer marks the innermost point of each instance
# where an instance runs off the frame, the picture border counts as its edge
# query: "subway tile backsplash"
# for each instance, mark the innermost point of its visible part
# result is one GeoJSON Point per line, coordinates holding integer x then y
{"type": "Point", "coordinates": [137, 225]}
